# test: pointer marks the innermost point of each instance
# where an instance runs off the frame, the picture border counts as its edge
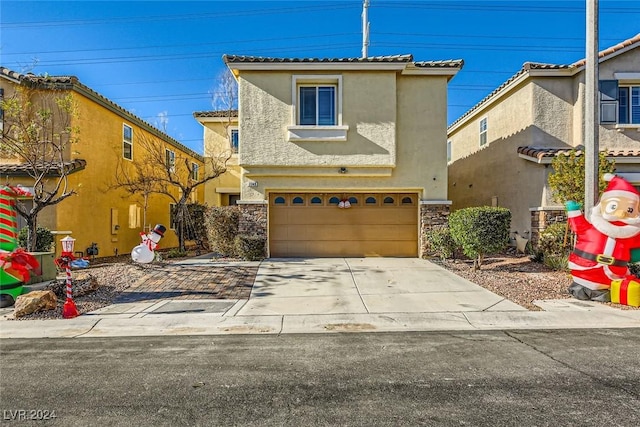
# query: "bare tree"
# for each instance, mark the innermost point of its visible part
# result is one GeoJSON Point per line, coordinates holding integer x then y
{"type": "Point", "coordinates": [225, 97]}
{"type": "Point", "coordinates": [136, 179]}
{"type": "Point", "coordinates": [162, 169]}
{"type": "Point", "coordinates": [37, 133]}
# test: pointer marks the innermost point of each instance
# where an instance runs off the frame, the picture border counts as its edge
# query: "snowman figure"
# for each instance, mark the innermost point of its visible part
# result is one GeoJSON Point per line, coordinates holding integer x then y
{"type": "Point", "coordinates": [144, 252]}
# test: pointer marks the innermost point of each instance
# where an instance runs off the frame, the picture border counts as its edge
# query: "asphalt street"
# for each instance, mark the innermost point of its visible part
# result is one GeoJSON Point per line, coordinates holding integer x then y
{"type": "Point", "coordinates": [462, 378]}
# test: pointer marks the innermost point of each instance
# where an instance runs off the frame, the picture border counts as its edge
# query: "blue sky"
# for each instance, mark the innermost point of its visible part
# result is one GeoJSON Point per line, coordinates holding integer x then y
{"type": "Point", "coordinates": [160, 59]}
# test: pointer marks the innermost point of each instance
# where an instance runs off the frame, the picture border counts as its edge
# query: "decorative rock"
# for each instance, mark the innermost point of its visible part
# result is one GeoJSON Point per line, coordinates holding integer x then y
{"type": "Point", "coordinates": [81, 284]}
{"type": "Point", "coordinates": [33, 302]}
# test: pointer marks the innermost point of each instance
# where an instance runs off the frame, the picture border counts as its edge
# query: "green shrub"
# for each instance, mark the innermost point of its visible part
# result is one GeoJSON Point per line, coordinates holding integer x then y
{"type": "Point", "coordinates": [480, 231]}
{"type": "Point", "coordinates": [440, 242]}
{"type": "Point", "coordinates": [222, 228]}
{"type": "Point", "coordinates": [250, 247]}
{"type": "Point", "coordinates": [552, 239]}
{"type": "Point", "coordinates": [44, 239]}
{"type": "Point", "coordinates": [195, 229]}
{"type": "Point", "coordinates": [552, 246]}
{"type": "Point", "coordinates": [175, 253]}
{"type": "Point", "coordinates": [556, 262]}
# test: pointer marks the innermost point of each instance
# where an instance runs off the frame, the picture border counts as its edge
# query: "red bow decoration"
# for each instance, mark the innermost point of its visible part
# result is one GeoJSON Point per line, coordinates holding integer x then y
{"type": "Point", "coordinates": [19, 263]}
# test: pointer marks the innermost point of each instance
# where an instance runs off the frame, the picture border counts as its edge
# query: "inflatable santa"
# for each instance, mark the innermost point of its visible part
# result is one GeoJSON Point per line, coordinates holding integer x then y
{"type": "Point", "coordinates": [604, 244]}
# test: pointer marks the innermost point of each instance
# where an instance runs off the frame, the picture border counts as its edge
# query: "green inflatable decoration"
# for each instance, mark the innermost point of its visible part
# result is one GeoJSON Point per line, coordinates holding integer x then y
{"type": "Point", "coordinates": [15, 263]}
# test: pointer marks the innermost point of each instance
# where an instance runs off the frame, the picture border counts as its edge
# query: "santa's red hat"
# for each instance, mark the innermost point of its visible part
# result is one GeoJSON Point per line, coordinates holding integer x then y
{"type": "Point", "coordinates": [619, 187]}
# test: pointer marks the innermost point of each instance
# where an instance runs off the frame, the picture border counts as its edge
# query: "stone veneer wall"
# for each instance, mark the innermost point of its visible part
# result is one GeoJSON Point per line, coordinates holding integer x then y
{"type": "Point", "coordinates": [431, 214]}
{"type": "Point", "coordinates": [541, 219]}
{"type": "Point", "coordinates": [253, 220]}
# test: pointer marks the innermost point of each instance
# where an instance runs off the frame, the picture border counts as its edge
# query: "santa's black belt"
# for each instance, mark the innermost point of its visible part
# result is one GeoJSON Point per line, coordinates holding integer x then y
{"type": "Point", "coordinates": [600, 258]}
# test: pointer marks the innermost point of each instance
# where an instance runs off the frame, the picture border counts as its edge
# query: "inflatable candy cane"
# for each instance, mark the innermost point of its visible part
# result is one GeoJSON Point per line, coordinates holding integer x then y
{"type": "Point", "coordinates": [15, 263]}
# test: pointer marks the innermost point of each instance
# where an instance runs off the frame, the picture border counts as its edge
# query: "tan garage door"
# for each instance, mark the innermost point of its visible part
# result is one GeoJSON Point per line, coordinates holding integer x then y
{"type": "Point", "coordinates": [313, 225]}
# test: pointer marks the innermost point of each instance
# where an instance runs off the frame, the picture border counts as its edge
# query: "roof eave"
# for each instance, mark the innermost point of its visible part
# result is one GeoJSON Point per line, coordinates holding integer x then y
{"type": "Point", "coordinates": [310, 66]}
{"type": "Point", "coordinates": [488, 101]}
{"type": "Point", "coordinates": [538, 160]}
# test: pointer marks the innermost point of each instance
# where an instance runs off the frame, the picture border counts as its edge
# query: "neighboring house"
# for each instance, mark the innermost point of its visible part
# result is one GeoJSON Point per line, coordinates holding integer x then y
{"type": "Point", "coordinates": [221, 136]}
{"type": "Point", "coordinates": [342, 156]}
{"type": "Point", "coordinates": [500, 150]}
{"type": "Point", "coordinates": [108, 137]}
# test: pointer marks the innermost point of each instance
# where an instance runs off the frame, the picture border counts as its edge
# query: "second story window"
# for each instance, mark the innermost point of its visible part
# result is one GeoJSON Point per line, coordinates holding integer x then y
{"type": "Point", "coordinates": [127, 142]}
{"type": "Point", "coordinates": [448, 151]}
{"type": "Point", "coordinates": [234, 139]}
{"type": "Point", "coordinates": [317, 105]}
{"type": "Point", "coordinates": [620, 102]}
{"type": "Point", "coordinates": [629, 105]}
{"type": "Point", "coordinates": [483, 131]}
{"type": "Point", "coordinates": [170, 160]}
{"type": "Point", "coordinates": [194, 171]}
{"type": "Point", "coordinates": [316, 113]}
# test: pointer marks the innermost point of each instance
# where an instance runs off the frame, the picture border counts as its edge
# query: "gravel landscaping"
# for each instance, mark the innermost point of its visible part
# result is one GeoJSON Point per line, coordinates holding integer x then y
{"type": "Point", "coordinates": [515, 277]}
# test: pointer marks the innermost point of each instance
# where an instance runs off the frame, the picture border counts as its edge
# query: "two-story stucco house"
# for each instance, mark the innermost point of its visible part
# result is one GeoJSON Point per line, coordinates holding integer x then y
{"type": "Point", "coordinates": [221, 135]}
{"type": "Point", "coordinates": [342, 156]}
{"type": "Point", "coordinates": [109, 143]}
{"type": "Point", "coordinates": [500, 150]}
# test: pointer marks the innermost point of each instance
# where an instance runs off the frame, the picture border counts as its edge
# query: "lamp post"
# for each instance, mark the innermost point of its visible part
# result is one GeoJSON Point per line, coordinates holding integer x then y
{"type": "Point", "coordinates": [69, 310]}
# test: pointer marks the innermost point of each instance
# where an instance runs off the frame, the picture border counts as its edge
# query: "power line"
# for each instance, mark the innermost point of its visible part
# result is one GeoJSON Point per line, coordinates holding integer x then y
{"type": "Point", "coordinates": [137, 19]}
{"type": "Point", "coordinates": [191, 45]}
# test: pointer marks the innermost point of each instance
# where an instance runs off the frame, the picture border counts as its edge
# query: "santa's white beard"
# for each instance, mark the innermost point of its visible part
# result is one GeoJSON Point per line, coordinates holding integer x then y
{"type": "Point", "coordinates": [603, 224]}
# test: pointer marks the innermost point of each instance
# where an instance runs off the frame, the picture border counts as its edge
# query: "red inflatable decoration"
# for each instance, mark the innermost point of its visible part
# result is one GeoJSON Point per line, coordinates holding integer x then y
{"type": "Point", "coordinates": [604, 244]}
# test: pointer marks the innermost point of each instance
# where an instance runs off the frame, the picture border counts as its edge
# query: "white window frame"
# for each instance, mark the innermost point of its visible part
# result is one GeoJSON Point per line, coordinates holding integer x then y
{"type": "Point", "coordinates": [449, 152]}
{"type": "Point", "coordinates": [297, 132]}
{"type": "Point", "coordinates": [170, 158]}
{"type": "Point", "coordinates": [232, 130]}
{"type": "Point", "coordinates": [630, 105]}
{"type": "Point", "coordinates": [483, 131]}
{"type": "Point", "coordinates": [195, 171]}
{"type": "Point", "coordinates": [126, 142]}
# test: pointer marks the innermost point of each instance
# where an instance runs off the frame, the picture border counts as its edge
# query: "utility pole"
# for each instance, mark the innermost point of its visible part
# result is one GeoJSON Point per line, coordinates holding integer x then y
{"type": "Point", "coordinates": [365, 29]}
{"type": "Point", "coordinates": [592, 108]}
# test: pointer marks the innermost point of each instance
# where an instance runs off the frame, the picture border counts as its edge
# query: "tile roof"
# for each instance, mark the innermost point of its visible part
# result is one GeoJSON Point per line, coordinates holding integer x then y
{"type": "Point", "coordinates": [23, 169]}
{"type": "Point", "coordinates": [548, 153]}
{"type": "Point", "coordinates": [440, 64]}
{"type": "Point", "coordinates": [228, 59]}
{"type": "Point", "coordinates": [528, 66]}
{"type": "Point", "coordinates": [73, 83]}
{"type": "Point", "coordinates": [216, 113]}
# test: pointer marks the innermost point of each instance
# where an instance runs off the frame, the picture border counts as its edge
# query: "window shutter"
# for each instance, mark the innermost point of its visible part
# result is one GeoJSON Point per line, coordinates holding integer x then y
{"type": "Point", "coordinates": [608, 90]}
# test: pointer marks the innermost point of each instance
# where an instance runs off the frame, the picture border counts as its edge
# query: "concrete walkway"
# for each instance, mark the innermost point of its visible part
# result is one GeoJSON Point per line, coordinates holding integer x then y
{"type": "Point", "coordinates": [330, 295]}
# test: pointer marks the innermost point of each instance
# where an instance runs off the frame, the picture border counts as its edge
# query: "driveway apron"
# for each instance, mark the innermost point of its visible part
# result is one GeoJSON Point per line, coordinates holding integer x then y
{"type": "Point", "coordinates": [298, 286]}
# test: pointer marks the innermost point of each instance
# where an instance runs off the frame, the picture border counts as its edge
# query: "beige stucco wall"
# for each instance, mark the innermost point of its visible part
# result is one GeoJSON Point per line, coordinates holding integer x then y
{"type": "Point", "coordinates": [528, 114]}
{"type": "Point", "coordinates": [541, 112]}
{"type": "Point", "coordinates": [396, 137]}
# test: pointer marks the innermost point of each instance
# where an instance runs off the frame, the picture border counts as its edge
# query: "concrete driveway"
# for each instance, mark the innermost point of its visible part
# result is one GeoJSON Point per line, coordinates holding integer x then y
{"type": "Point", "coordinates": [298, 286]}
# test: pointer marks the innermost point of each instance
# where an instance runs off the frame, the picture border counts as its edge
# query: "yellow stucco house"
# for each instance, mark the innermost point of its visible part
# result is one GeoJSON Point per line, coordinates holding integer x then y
{"type": "Point", "coordinates": [221, 135]}
{"type": "Point", "coordinates": [342, 156]}
{"type": "Point", "coordinates": [500, 151]}
{"type": "Point", "coordinates": [109, 139]}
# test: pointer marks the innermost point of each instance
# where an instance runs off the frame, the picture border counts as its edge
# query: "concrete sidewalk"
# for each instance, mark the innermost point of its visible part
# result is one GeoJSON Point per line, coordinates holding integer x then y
{"type": "Point", "coordinates": [331, 295]}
